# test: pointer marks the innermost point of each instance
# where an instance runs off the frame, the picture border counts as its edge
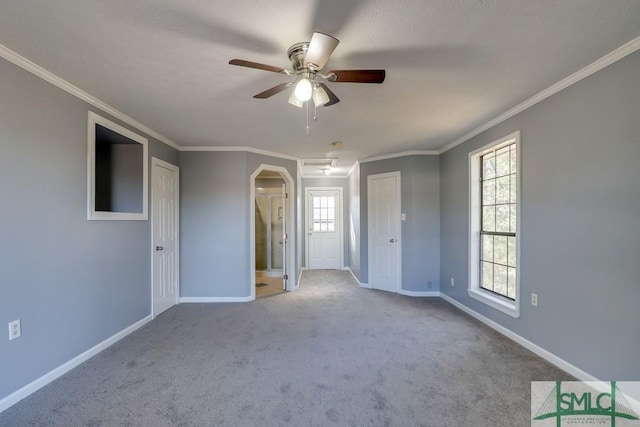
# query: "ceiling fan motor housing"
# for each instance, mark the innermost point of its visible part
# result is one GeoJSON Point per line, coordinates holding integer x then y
{"type": "Point", "coordinates": [296, 54]}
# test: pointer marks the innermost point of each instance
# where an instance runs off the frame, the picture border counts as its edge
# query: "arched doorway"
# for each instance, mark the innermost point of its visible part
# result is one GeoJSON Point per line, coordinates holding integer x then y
{"type": "Point", "coordinates": [277, 205]}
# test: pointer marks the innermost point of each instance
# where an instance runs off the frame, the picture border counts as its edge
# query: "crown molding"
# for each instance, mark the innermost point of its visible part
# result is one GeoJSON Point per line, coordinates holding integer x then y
{"type": "Point", "coordinates": [401, 154]}
{"type": "Point", "coordinates": [49, 77]}
{"type": "Point", "coordinates": [616, 55]}
{"type": "Point", "coordinates": [239, 149]}
{"type": "Point", "coordinates": [356, 163]}
{"type": "Point", "coordinates": [619, 53]}
{"type": "Point", "coordinates": [299, 168]}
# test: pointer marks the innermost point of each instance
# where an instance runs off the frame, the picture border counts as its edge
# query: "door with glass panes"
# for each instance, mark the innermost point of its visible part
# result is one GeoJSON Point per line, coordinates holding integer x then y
{"type": "Point", "coordinates": [323, 229]}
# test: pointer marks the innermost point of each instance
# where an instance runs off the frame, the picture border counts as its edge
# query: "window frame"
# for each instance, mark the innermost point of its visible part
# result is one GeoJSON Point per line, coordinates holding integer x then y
{"type": "Point", "coordinates": [475, 291]}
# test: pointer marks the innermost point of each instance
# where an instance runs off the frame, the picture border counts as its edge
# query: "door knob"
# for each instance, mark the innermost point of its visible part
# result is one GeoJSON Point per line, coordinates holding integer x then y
{"type": "Point", "coordinates": [159, 248]}
{"type": "Point", "coordinates": [392, 240]}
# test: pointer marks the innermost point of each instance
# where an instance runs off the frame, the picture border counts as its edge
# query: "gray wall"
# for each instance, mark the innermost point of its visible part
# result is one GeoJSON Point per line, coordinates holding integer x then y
{"type": "Point", "coordinates": [214, 221]}
{"type": "Point", "coordinates": [420, 201]}
{"type": "Point", "coordinates": [269, 182]}
{"type": "Point", "coordinates": [580, 232]}
{"type": "Point", "coordinates": [354, 221]}
{"type": "Point", "coordinates": [72, 282]}
{"type": "Point", "coordinates": [330, 182]}
{"type": "Point", "coordinates": [118, 172]}
{"type": "Point", "coordinates": [127, 178]}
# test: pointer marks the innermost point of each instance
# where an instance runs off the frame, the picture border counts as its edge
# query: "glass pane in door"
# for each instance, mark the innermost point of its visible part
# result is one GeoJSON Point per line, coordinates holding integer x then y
{"type": "Point", "coordinates": [324, 214]}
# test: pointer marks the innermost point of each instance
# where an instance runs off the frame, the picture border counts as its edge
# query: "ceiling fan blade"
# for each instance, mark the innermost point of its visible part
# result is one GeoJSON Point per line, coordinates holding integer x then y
{"type": "Point", "coordinates": [356, 76]}
{"type": "Point", "coordinates": [332, 16]}
{"type": "Point", "coordinates": [320, 49]}
{"type": "Point", "coordinates": [333, 99]}
{"type": "Point", "coordinates": [270, 92]}
{"type": "Point", "coordinates": [259, 66]}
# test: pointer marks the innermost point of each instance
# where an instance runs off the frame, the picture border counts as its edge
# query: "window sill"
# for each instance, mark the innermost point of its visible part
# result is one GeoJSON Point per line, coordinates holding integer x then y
{"type": "Point", "coordinates": [507, 307]}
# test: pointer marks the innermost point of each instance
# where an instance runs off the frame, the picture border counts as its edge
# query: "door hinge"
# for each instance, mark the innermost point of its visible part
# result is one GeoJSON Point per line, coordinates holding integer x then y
{"type": "Point", "coordinates": [286, 195]}
{"type": "Point", "coordinates": [286, 277]}
{"type": "Point", "coordinates": [284, 236]}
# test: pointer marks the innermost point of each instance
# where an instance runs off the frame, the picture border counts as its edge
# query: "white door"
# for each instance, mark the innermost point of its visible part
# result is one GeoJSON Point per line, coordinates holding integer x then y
{"type": "Point", "coordinates": [164, 223]}
{"type": "Point", "coordinates": [324, 245]}
{"type": "Point", "coordinates": [383, 192]}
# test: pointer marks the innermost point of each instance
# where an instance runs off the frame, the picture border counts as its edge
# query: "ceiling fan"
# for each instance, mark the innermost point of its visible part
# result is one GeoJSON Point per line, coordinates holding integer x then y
{"type": "Point", "coordinates": [308, 59]}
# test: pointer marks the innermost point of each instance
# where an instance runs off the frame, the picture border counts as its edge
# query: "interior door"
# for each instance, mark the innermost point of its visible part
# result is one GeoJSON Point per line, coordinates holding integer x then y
{"type": "Point", "coordinates": [323, 229]}
{"type": "Point", "coordinates": [165, 235]}
{"type": "Point", "coordinates": [384, 231]}
{"type": "Point", "coordinates": [276, 213]}
{"type": "Point", "coordinates": [282, 214]}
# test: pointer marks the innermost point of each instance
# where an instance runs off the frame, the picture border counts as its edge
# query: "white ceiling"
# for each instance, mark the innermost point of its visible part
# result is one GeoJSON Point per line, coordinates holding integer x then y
{"type": "Point", "coordinates": [452, 65]}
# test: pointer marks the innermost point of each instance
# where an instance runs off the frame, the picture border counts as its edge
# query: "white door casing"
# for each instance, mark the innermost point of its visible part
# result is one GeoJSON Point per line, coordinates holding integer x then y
{"type": "Point", "coordinates": [164, 240]}
{"type": "Point", "coordinates": [383, 213]}
{"type": "Point", "coordinates": [324, 228]}
{"type": "Point", "coordinates": [284, 235]}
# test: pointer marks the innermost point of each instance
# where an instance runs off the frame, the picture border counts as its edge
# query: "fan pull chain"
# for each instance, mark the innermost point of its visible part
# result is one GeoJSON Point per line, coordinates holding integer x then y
{"type": "Point", "coordinates": [307, 118]}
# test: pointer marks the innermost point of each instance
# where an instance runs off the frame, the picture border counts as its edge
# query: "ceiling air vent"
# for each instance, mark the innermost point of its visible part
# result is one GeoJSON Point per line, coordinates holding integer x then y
{"type": "Point", "coordinates": [319, 163]}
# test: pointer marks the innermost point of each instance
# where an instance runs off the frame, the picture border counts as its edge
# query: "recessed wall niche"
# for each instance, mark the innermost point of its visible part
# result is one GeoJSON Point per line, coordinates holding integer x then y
{"type": "Point", "coordinates": [117, 171]}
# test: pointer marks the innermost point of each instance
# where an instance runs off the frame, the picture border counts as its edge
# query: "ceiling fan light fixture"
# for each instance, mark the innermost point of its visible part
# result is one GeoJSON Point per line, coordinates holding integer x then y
{"type": "Point", "coordinates": [293, 100]}
{"type": "Point", "coordinates": [304, 90]}
{"type": "Point", "coordinates": [320, 96]}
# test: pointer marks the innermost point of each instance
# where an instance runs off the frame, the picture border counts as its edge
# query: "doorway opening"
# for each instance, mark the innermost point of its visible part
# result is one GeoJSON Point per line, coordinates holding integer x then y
{"type": "Point", "coordinates": [271, 228]}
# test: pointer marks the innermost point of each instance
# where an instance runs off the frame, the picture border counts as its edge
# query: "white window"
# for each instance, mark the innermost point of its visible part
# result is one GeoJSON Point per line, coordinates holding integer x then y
{"type": "Point", "coordinates": [494, 224]}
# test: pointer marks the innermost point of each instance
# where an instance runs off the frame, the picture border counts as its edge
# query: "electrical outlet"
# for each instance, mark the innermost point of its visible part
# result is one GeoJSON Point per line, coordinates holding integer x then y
{"type": "Point", "coordinates": [403, 217]}
{"type": "Point", "coordinates": [534, 299]}
{"type": "Point", "coordinates": [453, 283]}
{"type": "Point", "coordinates": [14, 329]}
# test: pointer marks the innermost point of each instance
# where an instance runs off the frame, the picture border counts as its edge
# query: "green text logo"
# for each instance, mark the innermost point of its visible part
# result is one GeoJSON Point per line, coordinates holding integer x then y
{"type": "Point", "coordinates": [584, 405]}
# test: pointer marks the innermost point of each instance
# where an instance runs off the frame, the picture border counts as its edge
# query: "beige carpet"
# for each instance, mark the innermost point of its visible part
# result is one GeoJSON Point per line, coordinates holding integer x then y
{"type": "Point", "coordinates": [328, 354]}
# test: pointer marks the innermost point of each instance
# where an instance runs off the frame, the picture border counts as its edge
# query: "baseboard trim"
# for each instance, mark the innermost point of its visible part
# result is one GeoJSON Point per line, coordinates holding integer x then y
{"type": "Point", "coordinates": [300, 276]}
{"type": "Point", "coordinates": [365, 285]}
{"type": "Point", "coordinates": [214, 299]}
{"type": "Point", "coordinates": [353, 275]}
{"type": "Point", "coordinates": [545, 354]}
{"type": "Point", "coordinates": [37, 384]}
{"type": "Point", "coordinates": [419, 293]}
